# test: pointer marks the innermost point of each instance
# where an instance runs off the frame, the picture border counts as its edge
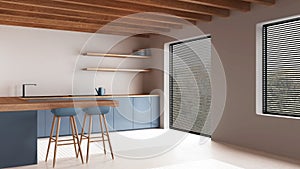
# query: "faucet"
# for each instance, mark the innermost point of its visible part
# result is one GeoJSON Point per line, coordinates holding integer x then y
{"type": "Point", "coordinates": [24, 88]}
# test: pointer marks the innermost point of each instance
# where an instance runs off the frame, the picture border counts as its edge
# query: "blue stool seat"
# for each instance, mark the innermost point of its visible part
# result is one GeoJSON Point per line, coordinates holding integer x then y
{"type": "Point", "coordinates": [63, 112]}
{"type": "Point", "coordinates": [96, 110]}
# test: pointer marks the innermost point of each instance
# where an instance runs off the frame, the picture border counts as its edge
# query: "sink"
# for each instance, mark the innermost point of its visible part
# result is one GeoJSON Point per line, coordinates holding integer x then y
{"type": "Point", "coordinates": [56, 98]}
{"type": "Point", "coordinates": [43, 100]}
{"type": "Point", "coordinates": [46, 96]}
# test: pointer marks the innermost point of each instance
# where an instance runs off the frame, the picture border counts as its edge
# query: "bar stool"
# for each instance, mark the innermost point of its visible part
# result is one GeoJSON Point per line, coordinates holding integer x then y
{"type": "Point", "coordinates": [58, 114]}
{"type": "Point", "coordinates": [92, 111]}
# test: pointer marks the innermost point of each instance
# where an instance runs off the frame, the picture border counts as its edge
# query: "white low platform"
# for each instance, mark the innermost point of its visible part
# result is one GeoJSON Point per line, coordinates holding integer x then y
{"type": "Point", "coordinates": [149, 149]}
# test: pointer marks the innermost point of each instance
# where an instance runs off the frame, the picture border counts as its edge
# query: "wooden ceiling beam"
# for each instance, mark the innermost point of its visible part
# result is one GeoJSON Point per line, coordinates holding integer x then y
{"type": "Point", "coordinates": [5, 4]}
{"type": "Point", "coordinates": [100, 23]}
{"type": "Point", "coordinates": [66, 28]}
{"type": "Point", "coordinates": [147, 22]}
{"type": "Point", "coordinates": [53, 24]}
{"type": "Point", "coordinates": [138, 8]}
{"type": "Point", "coordinates": [227, 4]}
{"type": "Point", "coordinates": [83, 16]}
{"type": "Point", "coordinates": [73, 8]}
{"type": "Point", "coordinates": [45, 26]}
{"type": "Point", "coordinates": [263, 2]}
{"type": "Point", "coordinates": [182, 6]}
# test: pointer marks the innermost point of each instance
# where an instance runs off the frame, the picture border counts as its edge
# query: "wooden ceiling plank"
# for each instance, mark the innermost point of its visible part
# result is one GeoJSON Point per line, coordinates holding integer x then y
{"type": "Point", "coordinates": [46, 26]}
{"type": "Point", "coordinates": [227, 4]}
{"type": "Point", "coordinates": [65, 28]}
{"type": "Point", "coordinates": [182, 6]}
{"type": "Point", "coordinates": [84, 16]}
{"type": "Point", "coordinates": [44, 10]}
{"type": "Point", "coordinates": [263, 2]}
{"type": "Point", "coordinates": [138, 8]}
{"type": "Point", "coordinates": [73, 8]}
{"type": "Point", "coordinates": [102, 23]}
{"type": "Point", "coordinates": [77, 25]}
{"type": "Point", "coordinates": [147, 22]}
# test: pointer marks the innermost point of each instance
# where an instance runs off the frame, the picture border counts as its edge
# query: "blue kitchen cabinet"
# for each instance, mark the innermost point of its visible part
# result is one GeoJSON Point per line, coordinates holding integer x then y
{"type": "Point", "coordinates": [155, 112]}
{"type": "Point", "coordinates": [95, 122]}
{"type": "Point", "coordinates": [123, 115]}
{"type": "Point", "coordinates": [79, 121]}
{"type": "Point", "coordinates": [142, 112]}
{"type": "Point", "coordinates": [64, 124]}
{"type": "Point", "coordinates": [109, 119]}
{"type": "Point", "coordinates": [41, 120]}
{"type": "Point", "coordinates": [132, 113]}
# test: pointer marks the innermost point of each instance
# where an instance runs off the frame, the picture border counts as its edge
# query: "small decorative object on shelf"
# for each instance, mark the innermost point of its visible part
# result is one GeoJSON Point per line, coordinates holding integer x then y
{"type": "Point", "coordinates": [142, 52]}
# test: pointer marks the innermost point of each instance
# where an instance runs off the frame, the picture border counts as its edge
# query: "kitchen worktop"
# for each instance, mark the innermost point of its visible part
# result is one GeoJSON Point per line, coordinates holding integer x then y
{"type": "Point", "coordinates": [88, 96]}
{"type": "Point", "coordinates": [10, 104]}
{"type": "Point", "coordinates": [51, 102]}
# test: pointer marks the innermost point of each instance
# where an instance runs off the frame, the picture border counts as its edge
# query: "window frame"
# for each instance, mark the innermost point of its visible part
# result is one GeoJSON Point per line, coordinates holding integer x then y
{"type": "Point", "coordinates": [261, 63]}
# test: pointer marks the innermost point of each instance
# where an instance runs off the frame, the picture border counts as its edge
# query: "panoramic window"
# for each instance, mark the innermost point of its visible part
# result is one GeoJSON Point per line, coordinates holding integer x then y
{"type": "Point", "coordinates": [281, 67]}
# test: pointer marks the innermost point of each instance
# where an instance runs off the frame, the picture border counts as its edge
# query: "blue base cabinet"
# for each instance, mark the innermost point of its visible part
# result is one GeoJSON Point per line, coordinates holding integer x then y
{"type": "Point", "coordinates": [41, 123]}
{"type": "Point", "coordinates": [133, 113]}
{"type": "Point", "coordinates": [155, 112]}
{"type": "Point", "coordinates": [123, 115]}
{"type": "Point", "coordinates": [44, 123]}
{"type": "Point", "coordinates": [142, 112]}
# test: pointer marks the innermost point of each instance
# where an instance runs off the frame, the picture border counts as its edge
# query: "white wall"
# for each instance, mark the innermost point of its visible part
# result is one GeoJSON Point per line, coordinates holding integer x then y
{"type": "Point", "coordinates": [51, 59]}
{"type": "Point", "coordinates": [235, 40]}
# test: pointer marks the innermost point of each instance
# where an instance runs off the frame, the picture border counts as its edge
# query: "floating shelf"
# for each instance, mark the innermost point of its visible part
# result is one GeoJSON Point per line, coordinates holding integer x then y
{"type": "Point", "coordinates": [117, 70]}
{"type": "Point", "coordinates": [115, 55]}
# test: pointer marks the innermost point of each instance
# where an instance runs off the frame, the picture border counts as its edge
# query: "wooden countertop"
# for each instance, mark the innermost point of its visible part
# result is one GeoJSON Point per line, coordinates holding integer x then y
{"type": "Point", "coordinates": [45, 103]}
{"type": "Point", "coordinates": [89, 96]}
{"type": "Point", "coordinates": [18, 104]}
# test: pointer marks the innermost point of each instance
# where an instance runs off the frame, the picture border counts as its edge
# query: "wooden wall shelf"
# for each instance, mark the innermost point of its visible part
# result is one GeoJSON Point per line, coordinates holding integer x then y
{"type": "Point", "coordinates": [115, 55]}
{"type": "Point", "coordinates": [117, 70]}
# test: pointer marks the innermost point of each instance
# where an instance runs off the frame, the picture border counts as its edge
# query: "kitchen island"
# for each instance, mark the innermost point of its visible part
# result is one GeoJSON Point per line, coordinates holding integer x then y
{"type": "Point", "coordinates": [18, 126]}
{"type": "Point", "coordinates": [24, 120]}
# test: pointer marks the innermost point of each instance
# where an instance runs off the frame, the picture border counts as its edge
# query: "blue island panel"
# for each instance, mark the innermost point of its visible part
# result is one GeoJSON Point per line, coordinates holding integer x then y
{"type": "Point", "coordinates": [19, 143]}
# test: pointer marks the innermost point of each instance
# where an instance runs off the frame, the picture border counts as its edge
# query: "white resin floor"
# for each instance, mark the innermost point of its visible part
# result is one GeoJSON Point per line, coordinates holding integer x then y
{"type": "Point", "coordinates": [163, 149]}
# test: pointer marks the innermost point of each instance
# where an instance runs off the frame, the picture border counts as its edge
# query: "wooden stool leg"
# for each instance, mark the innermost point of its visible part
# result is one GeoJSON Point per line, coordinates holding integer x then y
{"type": "Point", "coordinates": [50, 138]}
{"type": "Point", "coordinates": [73, 136]}
{"type": "Point", "coordinates": [89, 138]}
{"type": "Point", "coordinates": [77, 137]}
{"type": "Point", "coordinates": [108, 138]}
{"type": "Point", "coordinates": [102, 132]}
{"type": "Point", "coordinates": [82, 130]}
{"type": "Point", "coordinates": [56, 140]}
